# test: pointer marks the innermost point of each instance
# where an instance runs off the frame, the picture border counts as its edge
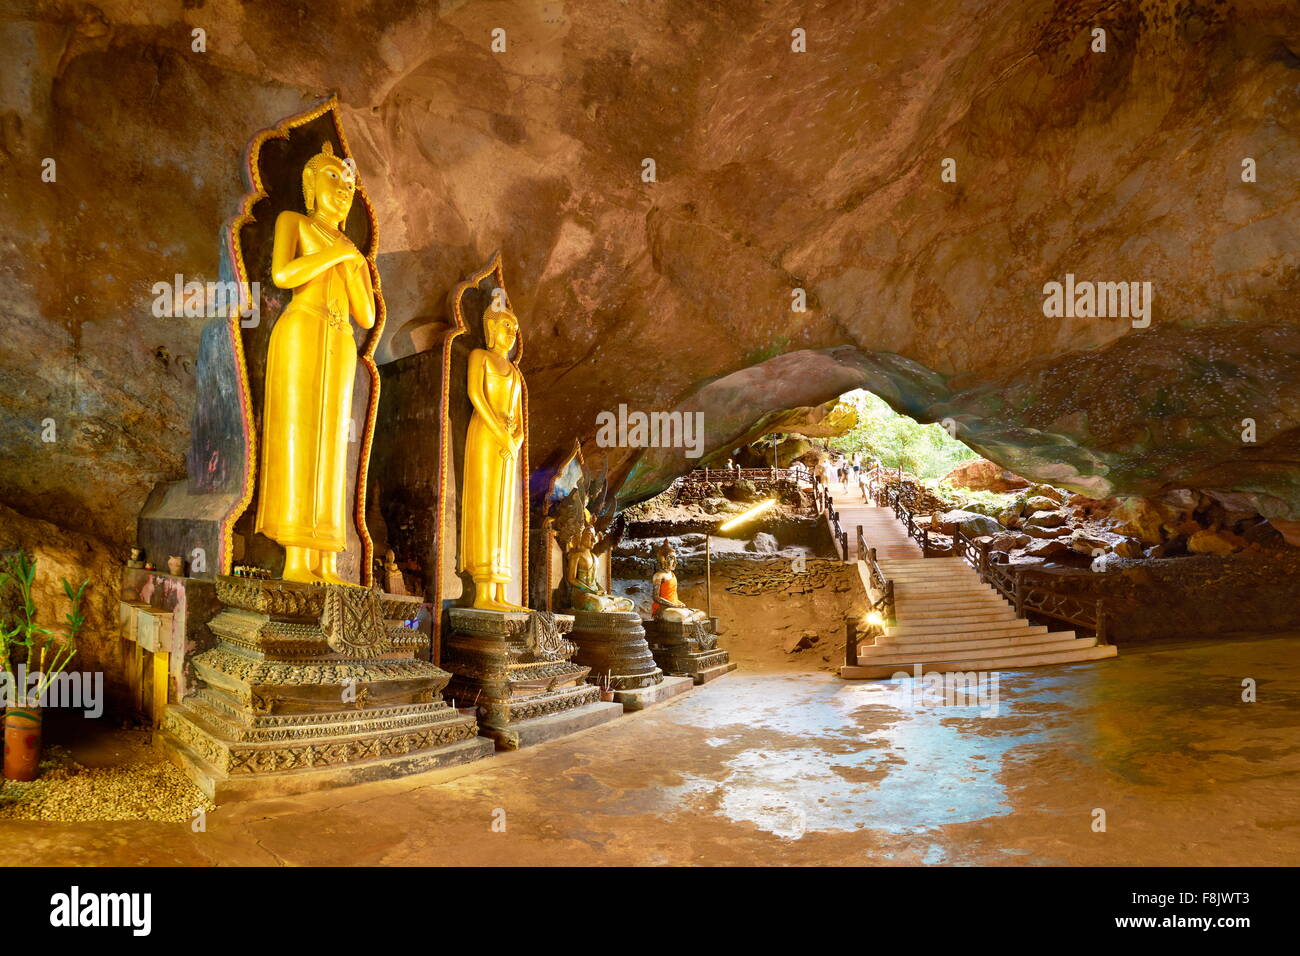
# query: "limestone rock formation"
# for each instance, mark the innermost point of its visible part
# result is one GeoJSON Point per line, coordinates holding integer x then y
{"type": "Point", "coordinates": [983, 475]}
{"type": "Point", "coordinates": [776, 172]}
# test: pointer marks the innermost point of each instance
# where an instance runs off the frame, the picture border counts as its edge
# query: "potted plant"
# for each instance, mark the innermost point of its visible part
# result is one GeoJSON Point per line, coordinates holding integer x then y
{"type": "Point", "coordinates": [607, 688]}
{"type": "Point", "coordinates": [45, 654]}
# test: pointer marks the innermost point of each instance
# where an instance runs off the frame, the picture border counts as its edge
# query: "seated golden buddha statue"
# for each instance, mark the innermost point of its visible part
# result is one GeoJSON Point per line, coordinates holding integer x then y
{"type": "Point", "coordinates": [666, 606]}
{"type": "Point", "coordinates": [585, 592]}
{"type": "Point", "coordinates": [303, 487]}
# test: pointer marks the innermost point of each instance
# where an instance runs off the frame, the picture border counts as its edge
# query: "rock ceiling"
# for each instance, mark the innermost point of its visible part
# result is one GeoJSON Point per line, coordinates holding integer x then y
{"type": "Point", "coordinates": [776, 171]}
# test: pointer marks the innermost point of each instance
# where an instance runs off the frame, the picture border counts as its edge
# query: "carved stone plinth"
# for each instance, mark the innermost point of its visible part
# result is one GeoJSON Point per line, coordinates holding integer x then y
{"type": "Point", "coordinates": [613, 645]}
{"type": "Point", "coordinates": [311, 687]}
{"type": "Point", "coordinates": [689, 650]}
{"type": "Point", "coordinates": [514, 668]}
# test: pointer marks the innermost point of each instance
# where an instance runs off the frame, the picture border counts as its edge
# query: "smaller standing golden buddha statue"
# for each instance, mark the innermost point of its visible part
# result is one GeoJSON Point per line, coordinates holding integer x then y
{"type": "Point", "coordinates": [666, 606]}
{"type": "Point", "coordinates": [585, 591]}
{"type": "Point", "coordinates": [492, 447]}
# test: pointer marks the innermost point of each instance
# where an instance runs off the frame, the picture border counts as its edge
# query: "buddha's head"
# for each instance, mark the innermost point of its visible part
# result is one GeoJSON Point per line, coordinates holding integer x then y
{"type": "Point", "coordinates": [587, 537]}
{"type": "Point", "coordinates": [500, 328]}
{"type": "Point", "coordinates": [328, 184]}
{"type": "Point", "coordinates": [666, 556]}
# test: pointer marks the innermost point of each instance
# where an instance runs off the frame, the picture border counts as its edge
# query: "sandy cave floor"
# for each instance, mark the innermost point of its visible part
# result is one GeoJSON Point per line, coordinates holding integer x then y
{"type": "Point", "coordinates": [782, 763]}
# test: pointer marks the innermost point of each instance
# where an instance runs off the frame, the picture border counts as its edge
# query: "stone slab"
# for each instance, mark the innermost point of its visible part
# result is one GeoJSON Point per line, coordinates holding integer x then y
{"type": "Point", "coordinates": [644, 697]}
{"type": "Point", "coordinates": [712, 673]}
{"type": "Point", "coordinates": [527, 733]}
{"type": "Point", "coordinates": [222, 788]}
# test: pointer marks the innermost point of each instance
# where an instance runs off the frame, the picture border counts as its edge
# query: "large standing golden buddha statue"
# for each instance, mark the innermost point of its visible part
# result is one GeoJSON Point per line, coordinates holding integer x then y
{"type": "Point", "coordinates": [490, 502]}
{"type": "Point", "coordinates": [310, 367]}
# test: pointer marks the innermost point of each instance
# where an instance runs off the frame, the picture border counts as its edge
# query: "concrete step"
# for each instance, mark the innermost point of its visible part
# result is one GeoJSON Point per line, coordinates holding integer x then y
{"type": "Point", "coordinates": [940, 632]}
{"type": "Point", "coordinates": [963, 637]}
{"type": "Point", "coordinates": [921, 604]}
{"type": "Point", "coordinates": [1044, 645]}
{"type": "Point", "coordinates": [941, 587]}
{"type": "Point", "coordinates": [909, 611]}
{"type": "Point", "coordinates": [922, 647]}
{"type": "Point", "coordinates": [924, 621]}
{"type": "Point", "coordinates": [943, 580]}
{"type": "Point", "coordinates": [877, 670]}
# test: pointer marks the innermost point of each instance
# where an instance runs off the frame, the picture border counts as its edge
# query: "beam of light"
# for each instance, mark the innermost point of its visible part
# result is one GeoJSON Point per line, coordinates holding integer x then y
{"type": "Point", "coordinates": [744, 516]}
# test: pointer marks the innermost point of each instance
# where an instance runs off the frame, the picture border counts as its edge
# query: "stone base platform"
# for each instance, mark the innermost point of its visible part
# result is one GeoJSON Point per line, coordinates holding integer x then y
{"type": "Point", "coordinates": [712, 673]}
{"type": "Point", "coordinates": [514, 668]}
{"type": "Point", "coordinates": [643, 697]}
{"type": "Point", "coordinates": [613, 645]}
{"type": "Point", "coordinates": [224, 788]}
{"type": "Point", "coordinates": [689, 650]}
{"type": "Point", "coordinates": [311, 687]}
{"type": "Point", "coordinates": [526, 733]}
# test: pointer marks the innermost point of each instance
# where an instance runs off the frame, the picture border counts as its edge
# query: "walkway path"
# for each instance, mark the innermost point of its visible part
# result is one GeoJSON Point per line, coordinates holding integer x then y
{"type": "Point", "coordinates": [946, 617]}
{"type": "Point", "coordinates": [785, 766]}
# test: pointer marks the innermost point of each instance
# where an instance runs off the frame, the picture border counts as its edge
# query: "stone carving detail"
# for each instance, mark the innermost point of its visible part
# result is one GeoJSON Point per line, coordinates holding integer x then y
{"type": "Point", "coordinates": [546, 640]}
{"type": "Point", "coordinates": [271, 698]}
{"type": "Point", "coordinates": [352, 623]}
{"type": "Point", "coordinates": [513, 669]}
{"type": "Point", "coordinates": [274, 598]}
{"type": "Point", "coordinates": [687, 648]}
{"type": "Point", "coordinates": [703, 638]}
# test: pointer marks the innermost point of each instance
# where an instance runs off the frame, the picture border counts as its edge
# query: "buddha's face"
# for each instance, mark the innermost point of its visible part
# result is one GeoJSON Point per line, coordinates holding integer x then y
{"type": "Point", "coordinates": [668, 561]}
{"type": "Point", "coordinates": [333, 188]}
{"type": "Point", "coordinates": [587, 538]}
{"type": "Point", "coordinates": [502, 330]}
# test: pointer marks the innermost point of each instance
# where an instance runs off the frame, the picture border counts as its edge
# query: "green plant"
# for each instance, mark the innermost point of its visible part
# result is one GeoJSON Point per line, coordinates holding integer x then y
{"type": "Point", "coordinates": [895, 440]}
{"type": "Point", "coordinates": [45, 652]}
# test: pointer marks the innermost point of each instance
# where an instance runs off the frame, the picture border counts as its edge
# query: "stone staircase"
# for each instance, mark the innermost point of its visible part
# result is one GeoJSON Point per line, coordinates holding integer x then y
{"type": "Point", "coordinates": [947, 619]}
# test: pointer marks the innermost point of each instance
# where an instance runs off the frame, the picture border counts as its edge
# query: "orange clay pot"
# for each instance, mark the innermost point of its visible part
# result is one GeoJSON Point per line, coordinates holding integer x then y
{"type": "Point", "coordinates": [22, 742]}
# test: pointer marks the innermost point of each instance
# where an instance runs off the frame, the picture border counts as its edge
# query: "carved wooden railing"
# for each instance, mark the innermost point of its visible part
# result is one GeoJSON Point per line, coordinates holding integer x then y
{"type": "Point", "coordinates": [825, 505]}
{"type": "Point", "coordinates": [732, 474]}
{"type": "Point", "coordinates": [894, 497]}
{"type": "Point", "coordinates": [1031, 590]}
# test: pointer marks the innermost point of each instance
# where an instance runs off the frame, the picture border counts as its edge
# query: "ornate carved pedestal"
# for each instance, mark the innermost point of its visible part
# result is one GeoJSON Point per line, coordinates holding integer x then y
{"type": "Point", "coordinates": [689, 650]}
{"type": "Point", "coordinates": [311, 687]}
{"type": "Point", "coordinates": [515, 668]}
{"type": "Point", "coordinates": [613, 645]}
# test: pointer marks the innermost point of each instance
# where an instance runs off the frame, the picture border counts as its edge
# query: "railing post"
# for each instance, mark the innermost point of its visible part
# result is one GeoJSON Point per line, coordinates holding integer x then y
{"type": "Point", "coordinates": [1019, 592]}
{"type": "Point", "coordinates": [851, 642]}
{"type": "Point", "coordinates": [1101, 622]}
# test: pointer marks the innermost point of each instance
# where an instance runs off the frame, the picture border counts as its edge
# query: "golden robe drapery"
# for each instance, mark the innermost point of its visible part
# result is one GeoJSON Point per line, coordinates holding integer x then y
{"type": "Point", "coordinates": [490, 505]}
{"type": "Point", "coordinates": [310, 368]}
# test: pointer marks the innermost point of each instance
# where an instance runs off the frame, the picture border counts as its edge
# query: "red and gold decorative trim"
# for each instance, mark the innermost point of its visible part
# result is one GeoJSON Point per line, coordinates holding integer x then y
{"type": "Point", "coordinates": [367, 356]}
{"type": "Point", "coordinates": [493, 267]}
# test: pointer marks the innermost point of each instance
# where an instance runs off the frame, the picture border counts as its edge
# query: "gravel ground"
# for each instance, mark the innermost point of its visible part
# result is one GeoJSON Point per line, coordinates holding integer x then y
{"type": "Point", "coordinates": [144, 786]}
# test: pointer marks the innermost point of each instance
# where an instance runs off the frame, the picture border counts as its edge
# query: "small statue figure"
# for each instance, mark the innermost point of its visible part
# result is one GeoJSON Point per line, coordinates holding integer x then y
{"type": "Point", "coordinates": [175, 565]}
{"type": "Point", "coordinates": [585, 592]}
{"type": "Point", "coordinates": [666, 606]}
{"type": "Point", "coordinates": [394, 583]}
{"type": "Point", "coordinates": [137, 558]}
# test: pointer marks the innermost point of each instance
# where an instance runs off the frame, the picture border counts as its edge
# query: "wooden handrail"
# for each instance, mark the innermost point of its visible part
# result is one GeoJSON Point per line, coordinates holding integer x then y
{"type": "Point", "coordinates": [1029, 589]}
{"type": "Point", "coordinates": [882, 605]}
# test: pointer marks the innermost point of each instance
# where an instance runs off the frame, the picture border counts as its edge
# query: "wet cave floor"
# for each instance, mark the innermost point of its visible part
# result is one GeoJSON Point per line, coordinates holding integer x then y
{"type": "Point", "coordinates": [782, 763]}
